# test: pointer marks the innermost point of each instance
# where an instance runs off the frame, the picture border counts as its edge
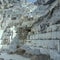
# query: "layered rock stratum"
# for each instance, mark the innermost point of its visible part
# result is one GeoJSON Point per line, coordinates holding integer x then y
{"type": "Point", "coordinates": [33, 27]}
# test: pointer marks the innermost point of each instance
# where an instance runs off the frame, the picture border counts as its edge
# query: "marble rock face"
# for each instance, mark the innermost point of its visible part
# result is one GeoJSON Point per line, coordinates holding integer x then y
{"type": "Point", "coordinates": [39, 2]}
{"type": "Point", "coordinates": [40, 23]}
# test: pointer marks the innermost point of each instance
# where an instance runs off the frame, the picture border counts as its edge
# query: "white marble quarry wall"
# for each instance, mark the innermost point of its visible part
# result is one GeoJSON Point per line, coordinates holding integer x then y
{"type": "Point", "coordinates": [51, 47]}
{"type": "Point", "coordinates": [51, 44]}
{"type": "Point", "coordinates": [59, 1]}
{"type": "Point", "coordinates": [45, 46]}
{"type": "Point", "coordinates": [55, 27]}
{"type": "Point", "coordinates": [59, 46]}
{"type": "Point", "coordinates": [48, 36]}
{"type": "Point", "coordinates": [42, 1]}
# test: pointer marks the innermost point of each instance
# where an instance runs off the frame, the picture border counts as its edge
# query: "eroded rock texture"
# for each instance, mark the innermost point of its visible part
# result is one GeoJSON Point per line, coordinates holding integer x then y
{"type": "Point", "coordinates": [25, 24]}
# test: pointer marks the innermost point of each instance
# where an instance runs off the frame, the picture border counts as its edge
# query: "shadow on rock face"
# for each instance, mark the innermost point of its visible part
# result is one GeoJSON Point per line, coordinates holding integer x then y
{"type": "Point", "coordinates": [20, 51]}
{"type": "Point", "coordinates": [40, 57]}
{"type": "Point", "coordinates": [1, 58]}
